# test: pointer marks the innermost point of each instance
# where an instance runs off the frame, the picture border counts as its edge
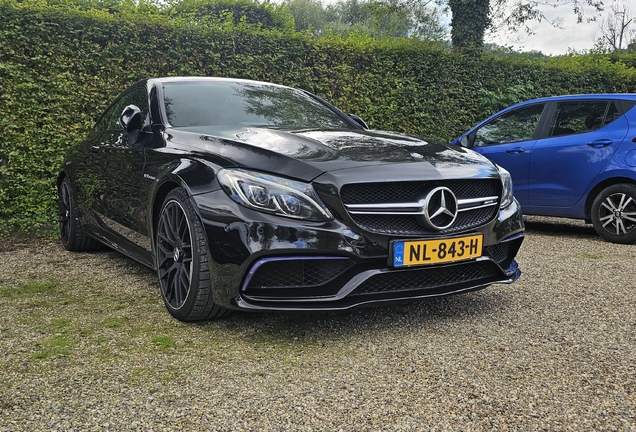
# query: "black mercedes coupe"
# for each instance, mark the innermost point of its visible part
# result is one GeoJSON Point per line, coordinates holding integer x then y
{"type": "Point", "coordinates": [254, 196]}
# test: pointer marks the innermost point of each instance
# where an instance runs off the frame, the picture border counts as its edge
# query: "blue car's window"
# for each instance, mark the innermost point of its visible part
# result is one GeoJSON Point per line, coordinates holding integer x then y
{"type": "Point", "coordinates": [626, 105]}
{"type": "Point", "coordinates": [581, 116]}
{"type": "Point", "coordinates": [223, 104]}
{"type": "Point", "coordinates": [612, 113]}
{"type": "Point", "coordinates": [516, 125]}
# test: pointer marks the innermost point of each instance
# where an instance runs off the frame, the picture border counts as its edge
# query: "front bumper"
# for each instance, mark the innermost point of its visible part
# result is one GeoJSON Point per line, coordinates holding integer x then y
{"type": "Point", "coordinates": [263, 262]}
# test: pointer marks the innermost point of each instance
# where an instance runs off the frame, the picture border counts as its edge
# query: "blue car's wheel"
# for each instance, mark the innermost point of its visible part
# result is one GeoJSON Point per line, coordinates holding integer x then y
{"type": "Point", "coordinates": [182, 261]}
{"type": "Point", "coordinates": [613, 213]}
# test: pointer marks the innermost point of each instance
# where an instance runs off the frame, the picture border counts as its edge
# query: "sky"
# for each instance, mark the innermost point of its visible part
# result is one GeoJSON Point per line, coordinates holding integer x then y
{"type": "Point", "coordinates": [556, 41]}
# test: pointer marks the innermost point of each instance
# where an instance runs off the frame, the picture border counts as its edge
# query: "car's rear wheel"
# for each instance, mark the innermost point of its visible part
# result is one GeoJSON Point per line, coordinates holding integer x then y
{"type": "Point", "coordinates": [71, 233]}
{"type": "Point", "coordinates": [613, 213]}
{"type": "Point", "coordinates": [182, 261]}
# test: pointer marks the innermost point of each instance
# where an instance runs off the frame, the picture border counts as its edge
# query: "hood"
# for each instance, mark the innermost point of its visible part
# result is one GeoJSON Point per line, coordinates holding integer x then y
{"type": "Point", "coordinates": [310, 153]}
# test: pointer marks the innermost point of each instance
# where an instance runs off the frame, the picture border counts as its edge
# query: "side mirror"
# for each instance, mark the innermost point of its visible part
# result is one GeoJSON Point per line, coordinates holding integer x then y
{"type": "Point", "coordinates": [463, 141]}
{"type": "Point", "coordinates": [359, 121]}
{"type": "Point", "coordinates": [132, 122]}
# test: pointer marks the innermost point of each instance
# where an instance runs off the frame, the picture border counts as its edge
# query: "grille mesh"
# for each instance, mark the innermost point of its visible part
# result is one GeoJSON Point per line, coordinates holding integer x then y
{"type": "Point", "coordinates": [427, 278]}
{"type": "Point", "coordinates": [298, 273]}
{"type": "Point", "coordinates": [403, 225]}
{"type": "Point", "coordinates": [395, 192]}
{"type": "Point", "coordinates": [498, 252]}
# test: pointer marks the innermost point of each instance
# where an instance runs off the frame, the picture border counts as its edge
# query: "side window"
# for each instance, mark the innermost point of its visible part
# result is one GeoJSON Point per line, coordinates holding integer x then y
{"type": "Point", "coordinates": [110, 120]}
{"type": "Point", "coordinates": [104, 123]}
{"type": "Point", "coordinates": [516, 125]}
{"type": "Point", "coordinates": [579, 117]}
{"type": "Point", "coordinates": [612, 113]}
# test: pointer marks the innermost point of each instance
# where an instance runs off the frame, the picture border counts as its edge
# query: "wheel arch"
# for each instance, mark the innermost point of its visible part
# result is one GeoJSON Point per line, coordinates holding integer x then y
{"type": "Point", "coordinates": [599, 187]}
{"type": "Point", "coordinates": [160, 195]}
{"type": "Point", "coordinates": [60, 178]}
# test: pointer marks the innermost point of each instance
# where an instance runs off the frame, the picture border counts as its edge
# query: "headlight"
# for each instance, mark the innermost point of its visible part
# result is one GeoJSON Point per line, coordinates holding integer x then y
{"type": "Point", "coordinates": [506, 192]}
{"type": "Point", "coordinates": [271, 194]}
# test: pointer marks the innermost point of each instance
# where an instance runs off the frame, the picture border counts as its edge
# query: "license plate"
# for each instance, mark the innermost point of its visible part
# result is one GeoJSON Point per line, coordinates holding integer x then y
{"type": "Point", "coordinates": [419, 252]}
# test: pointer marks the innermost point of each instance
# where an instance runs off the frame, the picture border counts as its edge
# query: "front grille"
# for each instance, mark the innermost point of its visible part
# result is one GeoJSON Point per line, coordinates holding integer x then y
{"type": "Point", "coordinates": [430, 278]}
{"type": "Point", "coordinates": [389, 192]}
{"type": "Point", "coordinates": [407, 192]}
{"type": "Point", "coordinates": [297, 273]}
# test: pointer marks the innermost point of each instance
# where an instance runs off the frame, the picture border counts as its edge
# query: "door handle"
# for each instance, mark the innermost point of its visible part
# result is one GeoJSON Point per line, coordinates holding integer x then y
{"type": "Point", "coordinates": [516, 150]}
{"type": "Point", "coordinates": [600, 143]}
{"type": "Point", "coordinates": [95, 149]}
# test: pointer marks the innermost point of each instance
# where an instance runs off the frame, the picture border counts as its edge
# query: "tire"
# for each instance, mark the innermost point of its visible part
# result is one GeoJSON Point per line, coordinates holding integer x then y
{"type": "Point", "coordinates": [613, 213]}
{"type": "Point", "coordinates": [182, 261]}
{"type": "Point", "coordinates": [71, 234]}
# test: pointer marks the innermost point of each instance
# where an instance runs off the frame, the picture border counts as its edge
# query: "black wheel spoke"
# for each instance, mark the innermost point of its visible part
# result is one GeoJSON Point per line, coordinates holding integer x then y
{"type": "Point", "coordinates": [163, 258]}
{"type": "Point", "coordinates": [184, 283]}
{"type": "Point", "coordinates": [169, 232]}
{"type": "Point", "coordinates": [175, 283]}
{"type": "Point", "coordinates": [165, 246]}
{"type": "Point", "coordinates": [183, 228]}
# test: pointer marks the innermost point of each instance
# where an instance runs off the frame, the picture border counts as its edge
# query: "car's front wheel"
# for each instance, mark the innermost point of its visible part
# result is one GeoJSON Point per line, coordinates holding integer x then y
{"type": "Point", "coordinates": [182, 261]}
{"type": "Point", "coordinates": [613, 213]}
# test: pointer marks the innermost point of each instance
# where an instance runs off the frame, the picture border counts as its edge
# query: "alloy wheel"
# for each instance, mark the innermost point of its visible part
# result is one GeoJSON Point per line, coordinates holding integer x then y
{"type": "Point", "coordinates": [174, 254]}
{"type": "Point", "coordinates": [617, 214]}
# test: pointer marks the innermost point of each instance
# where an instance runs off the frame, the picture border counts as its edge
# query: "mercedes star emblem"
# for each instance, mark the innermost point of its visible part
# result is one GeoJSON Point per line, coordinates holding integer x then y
{"type": "Point", "coordinates": [440, 208]}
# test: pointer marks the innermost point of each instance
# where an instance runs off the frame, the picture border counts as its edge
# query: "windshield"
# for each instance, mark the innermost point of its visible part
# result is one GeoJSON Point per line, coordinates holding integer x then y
{"type": "Point", "coordinates": [195, 104]}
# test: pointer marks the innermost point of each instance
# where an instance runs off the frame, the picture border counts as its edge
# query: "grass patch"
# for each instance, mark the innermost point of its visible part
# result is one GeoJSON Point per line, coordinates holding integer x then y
{"type": "Point", "coordinates": [163, 342]}
{"type": "Point", "coordinates": [113, 322]}
{"type": "Point", "coordinates": [589, 255]}
{"type": "Point", "coordinates": [60, 323]}
{"type": "Point", "coordinates": [31, 289]}
{"type": "Point", "coordinates": [41, 355]}
{"type": "Point", "coordinates": [58, 345]}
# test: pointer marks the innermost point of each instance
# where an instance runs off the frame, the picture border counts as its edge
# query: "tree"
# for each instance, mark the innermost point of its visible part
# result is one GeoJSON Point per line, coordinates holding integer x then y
{"type": "Point", "coordinates": [264, 14]}
{"type": "Point", "coordinates": [616, 28]}
{"type": "Point", "coordinates": [376, 18]}
{"type": "Point", "coordinates": [471, 18]}
{"type": "Point", "coordinates": [394, 18]}
{"type": "Point", "coordinates": [309, 15]}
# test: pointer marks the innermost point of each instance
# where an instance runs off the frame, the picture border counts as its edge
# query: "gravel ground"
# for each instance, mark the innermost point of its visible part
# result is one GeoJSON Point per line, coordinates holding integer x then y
{"type": "Point", "coordinates": [86, 345]}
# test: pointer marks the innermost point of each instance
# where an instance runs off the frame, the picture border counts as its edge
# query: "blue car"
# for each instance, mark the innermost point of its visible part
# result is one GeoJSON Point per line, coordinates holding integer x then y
{"type": "Point", "coordinates": [569, 156]}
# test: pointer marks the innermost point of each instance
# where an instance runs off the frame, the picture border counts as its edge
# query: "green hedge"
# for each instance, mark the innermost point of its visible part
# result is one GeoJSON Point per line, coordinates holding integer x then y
{"type": "Point", "coordinates": [60, 67]}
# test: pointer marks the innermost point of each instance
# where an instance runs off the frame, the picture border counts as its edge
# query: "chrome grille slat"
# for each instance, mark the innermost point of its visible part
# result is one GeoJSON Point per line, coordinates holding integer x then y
{"type": "Point", "coordinates": [416, 208]}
